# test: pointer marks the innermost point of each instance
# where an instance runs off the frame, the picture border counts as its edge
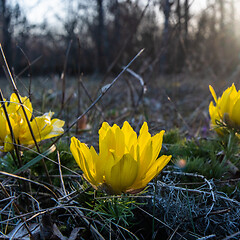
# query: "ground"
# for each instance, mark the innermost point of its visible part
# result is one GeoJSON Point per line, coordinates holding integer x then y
{"type": "Point", "coordinates": [196, 195]}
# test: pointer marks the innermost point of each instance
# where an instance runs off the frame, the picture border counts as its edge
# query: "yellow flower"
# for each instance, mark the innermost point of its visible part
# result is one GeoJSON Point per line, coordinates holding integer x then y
{"type": "Point", "coordinates": [125, 163]}
{"type": "Point", "coordinates": [43, 126]}
{"type": "Point", "coordinates": [227, 109]}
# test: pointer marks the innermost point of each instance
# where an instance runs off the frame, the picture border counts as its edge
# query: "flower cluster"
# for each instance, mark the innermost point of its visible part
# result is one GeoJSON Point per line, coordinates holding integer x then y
{"type": "Point", "coordinates": [227, 109]}
{"type": "Point", "coordinates": [125, 163]}
{"type": "Point", "coordinates": [43, 127]}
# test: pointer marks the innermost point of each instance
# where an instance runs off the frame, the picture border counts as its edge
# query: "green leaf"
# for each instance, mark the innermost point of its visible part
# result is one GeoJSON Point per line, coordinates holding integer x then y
{"type": "Point", "coordinates": [36, 159]}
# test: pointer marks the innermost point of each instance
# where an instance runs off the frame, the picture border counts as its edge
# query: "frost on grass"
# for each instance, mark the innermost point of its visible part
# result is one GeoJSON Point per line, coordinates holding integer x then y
{"type": "Point", "coordinates": [195, 206]}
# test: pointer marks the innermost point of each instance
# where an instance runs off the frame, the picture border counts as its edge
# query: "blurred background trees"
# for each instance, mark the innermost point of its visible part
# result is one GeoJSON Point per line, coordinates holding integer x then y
{"type": "Point", "coordinates": [101, 36]}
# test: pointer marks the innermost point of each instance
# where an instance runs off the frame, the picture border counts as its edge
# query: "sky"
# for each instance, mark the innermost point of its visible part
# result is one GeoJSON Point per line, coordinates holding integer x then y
{"type": "Point", "coordinates": [38, 10]}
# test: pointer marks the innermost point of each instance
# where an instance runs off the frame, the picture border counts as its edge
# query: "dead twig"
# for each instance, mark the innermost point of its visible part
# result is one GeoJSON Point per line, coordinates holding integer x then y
{"type": "Point", "coordinates": [60, 172]}
{"type": "Point", "coordinates": [205, 180]}
{"type": "Point", "coordinates": [232, 236]}
{"type": "Point", "coordinates": [207, 237]}
{"type": "Point", "coordinates": [125, 44]}
{"type": "Point", "coordinates": [158, 220]}
{"type": "Point", "coordinates": [9, 76]}
{"type": "Point", "coordinates": [28, 180]}
{"type": "Point", "coordinates": [63, 76]}
{"type": "Point", "coordinates": [11, 130]}
{"type": "Point", "coordinates": [30, 72]}
{"type": "Point", "coordinates": [104, 90]}
{"type": "Point", "coordinates": [17, 210]}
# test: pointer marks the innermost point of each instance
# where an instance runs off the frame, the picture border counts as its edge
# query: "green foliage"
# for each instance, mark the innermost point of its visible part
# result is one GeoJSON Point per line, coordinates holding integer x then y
{"type": "Point", "coordinates": [65, 156]}
{"type": "Point", "coordinates": [32, 160]}
{"type": "Point", "coordinates": [209, 168]}
{"type": "Point", "coordinates": [7, 163]}
{"type": "Point", "coordinates": [208, 157]}
{"type": "Point", "coordinates": [118, 210]}
{"type": "Point", "coordinates": [172, 136]}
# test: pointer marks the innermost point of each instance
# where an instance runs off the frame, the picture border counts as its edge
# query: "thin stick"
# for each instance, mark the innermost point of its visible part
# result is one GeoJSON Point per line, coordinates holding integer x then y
{"type": "Point", "coordinates": [30, 72]}
{"type": "Point", "coordinates": [63, 76]}
{"type": "Point", "coordinates": [208, 237]}
{"type": "Point", "coordinates": [103, 92]}
{"type": "Point", "coordinates": [179, 114]}
{"type": "Point", "coordinates": [17, 210]}
{"type": "Point", "coordinates": [204, 179]}
{"type": "Point", "coordinates": [60, 172]}
{"type": "Point", "coordinates": [11, 130]}
{"type": "Point", "coordinates": [27, 180]}
{"type": "Point", "coordinates": [125, 44]}
{"type": "Point", "coordinates": [158, 220]}
{"type": "Point", "coordinates": [9, 75]}
{"type": "Point", "coordinates": [198, 192]}
{"type": "Point", "coordinates": [232, 236]}
{"type": "Point", "coordinates": [31, 63]}
{"type": "Point", "coordinates": [78, 101]}
{"type": "Point", "coordinates": [47, 158]}
{"type": "Point", "coordinates": [89, 97]}
{"type": "Point", "coordinates": [78, 210]}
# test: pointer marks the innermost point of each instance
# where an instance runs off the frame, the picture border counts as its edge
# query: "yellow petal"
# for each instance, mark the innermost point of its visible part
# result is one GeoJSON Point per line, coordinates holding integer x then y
{"type": "Point", "coordinates": [157, 144]}
{"type": "Point", "coordinates": [103, 130]}
{"type": "Point", "coordinates": [83, 158]}
{"type": "Point", "coordinates": [123, 174]}
{"type": "Point", "coordinates": [129, 135]}
{"type": "Point", "coordinates": [108, 161]}
{"type": "Point", "coordinates": [17, 124]}
{"type": "Point", "coordinates": [226, 100]}
{"type": "Point", "coordinates": [154, 170]}
{"type": "Point", "coordinates": [15, 107]}
{"type": "Point", "coordinates": [8, 143]}
{"type": "Point", "coordinates": [213, 93]}
{"type": "Point", "coordinates": [57, 129]}
{"type": "Point", "coordinates": [144, 136]}
{"type": "Point", "coordinates": [145, 159]}
{"type": "Point", "coordinates": [108, 142]}
{"type": "Point", "coordinates": [74, 146]}
{"type": "Point", "coordinates": [236, 113]}
{"type": "Point", "coordinates": [213, 113]}
{"type": "Point", "coordinates": [233, 98]}
{"type": "Point", "coordinates": [120, 142]}
{"type": "Point", "coordinates": [40, 128]}
{"type": "Point", "coordinates": [98, 166]}
{"type": "Point", "coordinates": [43, 128]}
{"type": "Point", "coordinates": [4, 129]}
{"type": "Point", "coordinates": [114, 127]}
{"type": "Point", "coordinates": [124, 161]}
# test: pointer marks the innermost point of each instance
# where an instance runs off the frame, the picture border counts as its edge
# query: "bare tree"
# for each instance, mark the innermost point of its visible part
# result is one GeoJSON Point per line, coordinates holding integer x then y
{"type": "Point", "coordinates": [166, 8]}
{"type": "Point", "coordinates": [233, 17]}
{"type": "Point", "coordinates": [222, 14]}
{"type": "Point", "coordinates": [186, 22]}
{"type": "Point", "coordinates": [101, 37]}
{"type": "Point", "coordinates": [6, 30]}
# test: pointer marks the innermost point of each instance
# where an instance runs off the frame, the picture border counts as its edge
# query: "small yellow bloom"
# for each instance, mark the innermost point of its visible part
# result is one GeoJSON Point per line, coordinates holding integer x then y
{"type": "Point", "coordinates": [227, 109]}
{"type": "Point", "coordinates": [125, 163]}
{"type": "Point", "coordinates": [43, 126]}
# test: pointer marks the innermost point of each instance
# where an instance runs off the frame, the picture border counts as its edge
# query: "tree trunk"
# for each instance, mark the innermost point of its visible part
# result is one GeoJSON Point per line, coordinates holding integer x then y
{"type": "Point", "coordinates": [100, 37]}
{"type": "Point", "coordinates": [233, 13]}
{"type": "Point", "coordinates": [222, 14]}
{"type": "Point", "coordinates": [163, 59]}
{"type": "Point", "coordinates": [179, 51]}
{"type": "Point", "coordinates": [186, 20]}
{"type": "Point", "coordinates": [116, 22]}
{"type": "Point", "coordinates": [6, 33]}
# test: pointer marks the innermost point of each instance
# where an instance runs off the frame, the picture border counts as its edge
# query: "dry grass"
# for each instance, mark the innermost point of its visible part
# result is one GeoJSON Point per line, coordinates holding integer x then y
{"type": "Point", "coordinates": [179, 205]}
